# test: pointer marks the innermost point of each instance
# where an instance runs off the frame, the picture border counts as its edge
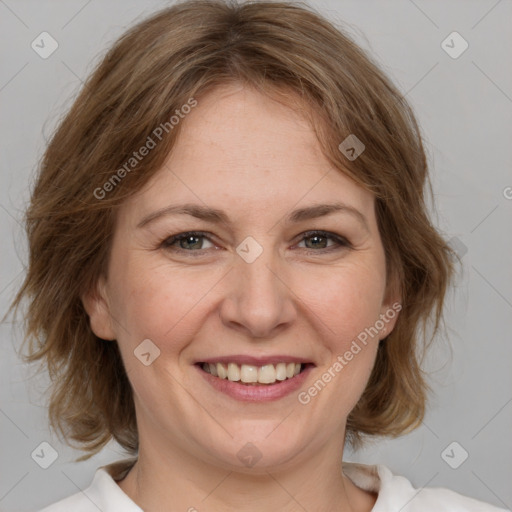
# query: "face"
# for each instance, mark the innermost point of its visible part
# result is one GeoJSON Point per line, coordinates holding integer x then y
{"type": "Point", "coordinates": [276, 281]}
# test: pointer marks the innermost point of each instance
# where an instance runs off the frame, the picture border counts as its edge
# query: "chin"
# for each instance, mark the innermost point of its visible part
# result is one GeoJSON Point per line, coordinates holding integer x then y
{"type": "Point", "coordinates": [260, 450]}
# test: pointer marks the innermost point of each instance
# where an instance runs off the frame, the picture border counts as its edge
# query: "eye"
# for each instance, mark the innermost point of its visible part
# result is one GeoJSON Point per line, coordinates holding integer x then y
{"type": "Point", "coordinates": [190, 242]}
{"type": "Point", "coordinates": [194, 242]}
{"type": "Point", "coordinates": [317, 240]}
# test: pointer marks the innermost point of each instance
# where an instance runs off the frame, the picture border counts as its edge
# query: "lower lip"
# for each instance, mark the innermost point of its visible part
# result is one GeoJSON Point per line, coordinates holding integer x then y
{"type": "Point", "coordinates": [256, 393]}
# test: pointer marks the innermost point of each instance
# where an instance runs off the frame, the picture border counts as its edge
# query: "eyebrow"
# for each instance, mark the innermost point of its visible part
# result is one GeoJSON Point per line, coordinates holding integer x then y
{"type": "Point", "coordinates": [215, 216]}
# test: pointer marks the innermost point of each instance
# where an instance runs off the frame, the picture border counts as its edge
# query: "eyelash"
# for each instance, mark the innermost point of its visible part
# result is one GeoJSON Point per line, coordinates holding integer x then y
{"type": "Point", "coordinates": [343, 243]}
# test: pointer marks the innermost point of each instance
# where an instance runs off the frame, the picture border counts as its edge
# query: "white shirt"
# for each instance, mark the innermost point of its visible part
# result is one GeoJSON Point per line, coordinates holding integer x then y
{"type": "Point", "coordinates": [395, 493]}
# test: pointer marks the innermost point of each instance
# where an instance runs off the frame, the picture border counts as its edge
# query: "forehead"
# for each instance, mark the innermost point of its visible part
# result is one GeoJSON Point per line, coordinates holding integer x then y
{"type": "Point", "coordinates": [244, 152]}
{"type": "Point", "coordinates": [246, 130]}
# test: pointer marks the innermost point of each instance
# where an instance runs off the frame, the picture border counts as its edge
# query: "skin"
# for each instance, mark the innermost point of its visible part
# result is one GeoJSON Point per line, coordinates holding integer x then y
{"type": "Point", "coordinates": [257, 160]}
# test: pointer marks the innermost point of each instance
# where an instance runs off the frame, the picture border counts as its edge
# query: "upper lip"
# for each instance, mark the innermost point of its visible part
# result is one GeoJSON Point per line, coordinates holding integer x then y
{"type": "Point", "coordinates": [255, 361]}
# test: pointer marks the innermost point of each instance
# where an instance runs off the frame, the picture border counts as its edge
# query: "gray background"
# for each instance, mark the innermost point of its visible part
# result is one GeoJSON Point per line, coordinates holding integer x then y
{"type": "Point", "coordinates": [465, 108]}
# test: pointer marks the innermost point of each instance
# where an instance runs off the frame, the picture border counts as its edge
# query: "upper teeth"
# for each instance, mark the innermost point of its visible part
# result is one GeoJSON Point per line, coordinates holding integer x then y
{"type": "Point", "coordinates": [266, 374]}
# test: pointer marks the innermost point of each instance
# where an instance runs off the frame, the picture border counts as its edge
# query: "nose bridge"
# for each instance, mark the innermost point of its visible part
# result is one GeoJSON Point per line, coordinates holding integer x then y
{"type": "Point", "coordinates": [258, 299]}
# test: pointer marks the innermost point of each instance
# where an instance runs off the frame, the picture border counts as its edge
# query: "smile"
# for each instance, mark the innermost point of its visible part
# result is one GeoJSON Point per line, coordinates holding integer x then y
{"type": "Point", "coordinates": [251, 374]}
{"type": "Point", "coordinates": [250, 381]}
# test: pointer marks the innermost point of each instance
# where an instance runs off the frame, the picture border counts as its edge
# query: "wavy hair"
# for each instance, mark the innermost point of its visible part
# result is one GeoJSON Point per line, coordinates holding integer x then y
{"type": "Point", "coordinates": [285, 50]}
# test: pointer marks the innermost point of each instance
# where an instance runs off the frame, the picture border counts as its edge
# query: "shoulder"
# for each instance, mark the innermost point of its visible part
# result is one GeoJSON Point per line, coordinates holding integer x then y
{"type": "Point", "coordinates": [77, 502]}
{"type": "Point", "coordinates": [103, 494]}
{"type": "Point", "coordinates": [397, 493]}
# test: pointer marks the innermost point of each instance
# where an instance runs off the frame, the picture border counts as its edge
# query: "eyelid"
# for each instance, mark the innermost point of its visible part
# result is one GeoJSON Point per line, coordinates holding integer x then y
{"type": "Point", "coordinates": [166, 242]}
{"type": "Point", "coordinates": [340, 241]}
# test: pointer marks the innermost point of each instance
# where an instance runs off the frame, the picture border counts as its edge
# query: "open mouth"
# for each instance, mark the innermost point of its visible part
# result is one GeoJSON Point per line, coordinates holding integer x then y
{"type": "Point", "coordinates": [253, 375]}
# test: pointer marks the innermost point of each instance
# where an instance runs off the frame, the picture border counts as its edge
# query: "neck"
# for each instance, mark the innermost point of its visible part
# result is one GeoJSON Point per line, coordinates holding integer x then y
{"type": "Point", "coordinates": [161, 479]}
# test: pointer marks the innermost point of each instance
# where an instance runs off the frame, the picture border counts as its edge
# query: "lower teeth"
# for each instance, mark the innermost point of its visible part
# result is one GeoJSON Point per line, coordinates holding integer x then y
{"type": "Point", "coordinates": [258, 383]}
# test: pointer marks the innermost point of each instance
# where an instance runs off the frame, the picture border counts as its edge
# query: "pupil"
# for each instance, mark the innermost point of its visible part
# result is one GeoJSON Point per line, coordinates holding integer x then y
{"type": "Point", "coordinates": [316, 237]}
{"type": "Point", "coordinates": [187, 240]}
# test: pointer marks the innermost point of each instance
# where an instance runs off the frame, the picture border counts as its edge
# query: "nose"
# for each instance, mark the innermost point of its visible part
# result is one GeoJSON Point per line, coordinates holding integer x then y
{"type": "Point", "coordinates": [258, 301]}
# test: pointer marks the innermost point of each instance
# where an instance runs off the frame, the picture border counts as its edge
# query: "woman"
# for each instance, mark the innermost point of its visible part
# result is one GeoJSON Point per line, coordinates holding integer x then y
{"type": "Point", "coordinates": [232, 266]}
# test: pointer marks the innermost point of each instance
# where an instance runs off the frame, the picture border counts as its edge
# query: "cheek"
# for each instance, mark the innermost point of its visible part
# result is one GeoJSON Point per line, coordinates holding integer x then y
{"type": "Point", "coordinates": [163, 303]}
{"type": "Point", "coordinates": [348, 308]}
{"type": "Point", "coordinates": [347, 301]}
{"type": "Point", "coordinates": [159, 302]}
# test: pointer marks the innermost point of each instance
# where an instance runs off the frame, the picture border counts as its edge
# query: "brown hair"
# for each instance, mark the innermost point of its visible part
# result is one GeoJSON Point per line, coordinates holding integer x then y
{"type": "Point", "coordinates": [283, 49]}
